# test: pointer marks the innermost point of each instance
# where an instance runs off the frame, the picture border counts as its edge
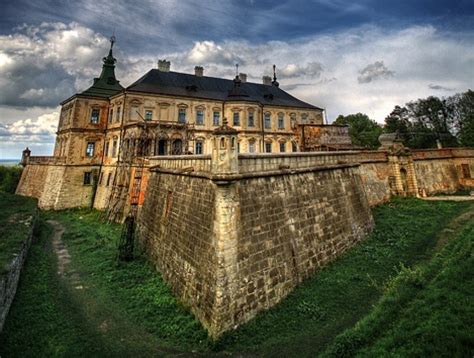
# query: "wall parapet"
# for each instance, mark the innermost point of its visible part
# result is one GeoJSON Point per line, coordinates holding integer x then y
{"type": "Point", "coordinates": [444, 153]}
{"type": "Point", "coordinates": [46, 160]}
{"type": "Point", "coordinates": [265, 162]}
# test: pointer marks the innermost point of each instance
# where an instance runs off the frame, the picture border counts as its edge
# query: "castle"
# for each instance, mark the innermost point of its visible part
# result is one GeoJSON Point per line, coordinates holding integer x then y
{"type": "Point", "coordinates": [239, 190]}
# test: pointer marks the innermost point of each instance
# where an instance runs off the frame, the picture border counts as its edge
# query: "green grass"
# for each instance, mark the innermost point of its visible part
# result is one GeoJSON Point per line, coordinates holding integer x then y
{"type": "Point", "coordinates": [105, 308]}
{"type": "Point", "coordinates": [16, 213]}
{"type": "Point", "coordinates": [9, 178]}
{"type": "Point", "coordinates": [426, 311]}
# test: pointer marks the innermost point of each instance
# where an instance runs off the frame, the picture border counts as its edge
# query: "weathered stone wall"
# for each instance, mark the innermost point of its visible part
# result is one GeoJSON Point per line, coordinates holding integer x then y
{"type": "Point", "coordinates": [10, 275]}
{"type": "Point", "coordinates": [232, 248]}
{"type": "Point", "coordinates": [440, 170]}
{"type": "Point", "coordinates": [176, 229]}
{"type": "Point", "coordinates": [291, 225]}
{"type": "Point", "coordinates": [56, 186]}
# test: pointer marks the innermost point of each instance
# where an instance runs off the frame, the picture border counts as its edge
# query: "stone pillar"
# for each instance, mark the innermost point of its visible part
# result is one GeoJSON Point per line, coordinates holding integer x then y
{"type": "Point", "coordinates": [224, 164]}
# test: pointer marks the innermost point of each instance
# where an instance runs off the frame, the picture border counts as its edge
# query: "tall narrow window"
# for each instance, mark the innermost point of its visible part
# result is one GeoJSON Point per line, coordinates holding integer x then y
{"type": "Point", "coordinates": [251, 146]}
{"type": "Point", "coordinates": [281, 121]}
{"type": "Point", "coordinates": [111, 115]}
{"type": "Point", "coordinates": [87, 178]}
{"type": "Point", "coordinates": [282, 147]}
{"type": "Point", "coordinates": [182, 115]}
{"type": "Point", "coordinates": [114, 148]}
{"type": "Point", "coordinates": [199, 147]}
{"type": "Point", "coordinates": [109, 177]}
{"type": "Point", "coordinates": [267, 121]}
{"type": "Point", "coordinates": [117, 115]}
{"type": "Point", "coordinates": [90, 149]}
{"type": "Point", "coordinates": [294, 148]}
{"type": "Point", "coordinates": [216, 118]}
{"type": "Point", "coordinates": [148, 115]}
{"type": "Point", "coordinates": [268, 147]}
{"type": "Point", "coordinates": [200, 118]}
{"type": "Point", "coordinates": [236, 118]}
{"type": "Point", "coordinates": [251, 120]}
{"type": "Point", "coordinates": [95, 116]}
{"type": "Point", "coordinates": [106, 149]}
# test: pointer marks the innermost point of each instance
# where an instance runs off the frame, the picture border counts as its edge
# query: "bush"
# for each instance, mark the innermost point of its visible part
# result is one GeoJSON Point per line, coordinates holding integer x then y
{"type": "Point", "coordinates": [9, 178]}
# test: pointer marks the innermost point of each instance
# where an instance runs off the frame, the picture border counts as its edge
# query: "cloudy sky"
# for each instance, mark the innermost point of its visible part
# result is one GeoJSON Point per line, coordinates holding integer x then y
{"type": "Point", "coordinates": [343, 55]}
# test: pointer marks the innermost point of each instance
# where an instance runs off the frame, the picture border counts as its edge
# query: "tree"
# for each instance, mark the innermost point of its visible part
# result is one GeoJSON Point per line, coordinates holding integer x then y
{"type": "Point", "coordinates": [363, 131]}
{"type": "Point", "coordinates": [462, 117]}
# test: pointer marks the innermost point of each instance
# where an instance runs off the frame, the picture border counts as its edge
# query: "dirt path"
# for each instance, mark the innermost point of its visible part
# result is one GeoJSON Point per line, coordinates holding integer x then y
{"type": "Point", "coordinates": [108, 324]}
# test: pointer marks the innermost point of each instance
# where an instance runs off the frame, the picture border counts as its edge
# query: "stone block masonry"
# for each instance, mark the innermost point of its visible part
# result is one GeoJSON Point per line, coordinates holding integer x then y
{"type": "Point", "coordinates": [232, 244]}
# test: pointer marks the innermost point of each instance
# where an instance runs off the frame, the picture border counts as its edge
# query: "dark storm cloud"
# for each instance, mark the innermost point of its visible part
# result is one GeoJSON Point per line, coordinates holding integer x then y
{"type": "Point", "coordinates": [374, 71]}
{"type": "Point", "coordinates": [439, 87]}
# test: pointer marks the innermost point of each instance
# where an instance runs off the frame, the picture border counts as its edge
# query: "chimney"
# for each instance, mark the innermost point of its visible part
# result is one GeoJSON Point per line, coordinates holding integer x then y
{"type": "Point", "coordinates": [243, 77]}
{"type": "Point", "coordinates": [267, 80]}
{"type": "Point", "coordinates": [199, 71]}
{"type": "Point", "coordinates": [164, 66]}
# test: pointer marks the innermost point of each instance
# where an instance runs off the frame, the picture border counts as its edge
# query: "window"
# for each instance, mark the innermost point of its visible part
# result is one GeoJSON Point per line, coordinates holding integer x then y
{"type": "Point", "coordinates": [200, 118]}
{"type": "Point", "coordinates": [281, 121]}
{"type": "Point", "coordinates": [294, 148]}
{"type": "Point", "coordinates": [182, 115]}
{"type": "Point", "coordinates": [148, 115]}
{"type": "Point", "coordinates": [216, 118]}
{"type": "Point", "coordinates": [87, 178]}
{"type": "Point", "coordinates": [111, 115]}
{"type": "Point", "coordinates": [267, 121]}
{"type": "Point", "coordinates": [250, 120]}
{"type": "Point", "coordinates": [251, 146]}
{"type": "Point", "coordinates": [199, 146]}
{"type": "Point", "coordinates": [177, 147]}
{"type": "Point", "coordinates": [100, 178]}
{"type": "Point", "coordinates": [117, 115]}
{"type": "Point", "coordinates": [114, 148]}
{"type": "Point", "coordinates": [95, 116]}
{"type": "Point", "coordinates": [106, 149]}
{"type": "Point", "coordinates": [282, 147]}
{"type": "Point", "coordinates": [236, 118]}
{"type": "Point", "coordinates": [268, 147]}
{"type": "Point", "coordinates": [238, 147]}
{"type": "Point", "coordinates": [108, 179]}
{"type": "Point", "coordinates": [90, 149]}
{"type": "Point", "coordinates": [304, 118]}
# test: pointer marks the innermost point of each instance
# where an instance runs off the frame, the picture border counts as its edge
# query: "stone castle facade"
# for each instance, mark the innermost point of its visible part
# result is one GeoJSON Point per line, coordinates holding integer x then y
{"type": "Point", "coordinates": [239, 190]}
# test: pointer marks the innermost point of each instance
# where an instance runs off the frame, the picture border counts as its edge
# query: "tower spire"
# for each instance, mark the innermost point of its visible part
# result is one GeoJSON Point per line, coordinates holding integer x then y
{"type": "Point", "coordinates": [275, 82]}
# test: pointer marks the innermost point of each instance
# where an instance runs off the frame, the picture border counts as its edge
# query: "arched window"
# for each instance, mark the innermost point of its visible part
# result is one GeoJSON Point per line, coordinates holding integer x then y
{"type": "Point", "coordinates": [199, 147]}
{"type": "Point", "coordinates": [162, 147]}
{"type": "Point", "coordinates": [177, 147]}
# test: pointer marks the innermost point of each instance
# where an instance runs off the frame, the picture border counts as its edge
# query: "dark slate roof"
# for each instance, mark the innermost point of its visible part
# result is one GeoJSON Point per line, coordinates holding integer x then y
{"type": "Point", "coordinates": [187, 85]}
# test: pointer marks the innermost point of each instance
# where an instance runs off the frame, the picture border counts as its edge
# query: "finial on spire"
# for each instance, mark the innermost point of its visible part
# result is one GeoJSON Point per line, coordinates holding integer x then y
{"type": "Point", "coordinates": [236, 70]}
{"type": "Point", "coordinates": [275, 82]}
{"type": "Point", "coordinates": [112, 41]}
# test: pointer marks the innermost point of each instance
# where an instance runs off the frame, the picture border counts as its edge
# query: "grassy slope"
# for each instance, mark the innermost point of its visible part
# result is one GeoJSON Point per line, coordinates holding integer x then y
{"type": "Point", "coordinates": [14, 228]}
{"type": "Point", "coordinates": [120, 303]}
{"type": "Point", "coordinates": [426, 311]}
